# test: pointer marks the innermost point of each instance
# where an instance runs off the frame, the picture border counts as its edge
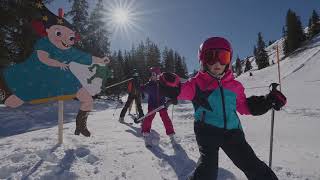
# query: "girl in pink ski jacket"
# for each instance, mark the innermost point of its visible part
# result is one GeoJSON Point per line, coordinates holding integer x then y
{"type": "Point", "coordinates": [216, 98]}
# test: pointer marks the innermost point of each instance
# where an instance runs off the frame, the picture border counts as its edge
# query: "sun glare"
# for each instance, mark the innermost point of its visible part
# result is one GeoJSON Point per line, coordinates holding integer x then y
{"type": "Point", "coordinates": [120, 16]}
{"type": "Point", "coordinates": [123, 17]}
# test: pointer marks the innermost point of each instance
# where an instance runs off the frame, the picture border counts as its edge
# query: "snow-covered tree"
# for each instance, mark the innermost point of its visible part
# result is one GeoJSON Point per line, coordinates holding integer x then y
{"type": "Point", "coordinates": [314, 24]}
{"type": "Point", "coordinates": [96, 37]}
{"type": "Point", "coordinates": [79, 16]}
{"type": "Point", "coordinates": [238, 67]}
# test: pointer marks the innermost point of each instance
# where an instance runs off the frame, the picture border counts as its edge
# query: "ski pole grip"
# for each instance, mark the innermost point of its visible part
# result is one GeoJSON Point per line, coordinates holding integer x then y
{"type": "Point", "coordinates": [169, 102]}
{"type": "Point", "coordinates": [274, 86]}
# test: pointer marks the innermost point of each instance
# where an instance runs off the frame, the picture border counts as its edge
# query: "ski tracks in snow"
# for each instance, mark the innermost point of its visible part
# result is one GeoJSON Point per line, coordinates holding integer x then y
{"type": "Point", "coordinates": [310, 112]}
{"type": "Point", "coordinates": [172, 160]}
{"type": "Point", "coordinates": [48, 161]}
{"type": "Point", "coordinates": [128, 157]}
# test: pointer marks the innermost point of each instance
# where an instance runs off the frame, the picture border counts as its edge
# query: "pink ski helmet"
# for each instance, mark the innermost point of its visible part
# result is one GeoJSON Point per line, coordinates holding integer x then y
{"type": "Point", "coordinates": [213, 43]}
{"type": "Point", "coordinates": [155, 70]}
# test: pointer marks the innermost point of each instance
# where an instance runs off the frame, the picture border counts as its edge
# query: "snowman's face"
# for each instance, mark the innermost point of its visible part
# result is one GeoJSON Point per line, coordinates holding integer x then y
{"type": "Point", "coordinates": [61, 36]}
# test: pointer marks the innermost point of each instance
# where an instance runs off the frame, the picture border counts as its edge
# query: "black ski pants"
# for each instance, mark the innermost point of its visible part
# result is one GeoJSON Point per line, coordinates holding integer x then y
{"type": "Point", "coordinates": [234, 144]}
{"type": "Point", "coordinates": [137, 99]}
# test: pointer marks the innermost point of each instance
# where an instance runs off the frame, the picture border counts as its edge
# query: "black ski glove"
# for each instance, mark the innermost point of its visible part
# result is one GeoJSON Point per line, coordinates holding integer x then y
{"type": "Point", "coordinates": [259, 105]}
{"type": "Point", "coordinates": [169, 85]}
{"type": "Point", "coordinates": [277, 99]}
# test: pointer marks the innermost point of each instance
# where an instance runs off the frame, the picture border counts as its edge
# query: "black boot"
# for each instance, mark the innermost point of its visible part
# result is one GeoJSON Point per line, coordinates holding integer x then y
{"type": "Point", "coordinates": [81, 123]}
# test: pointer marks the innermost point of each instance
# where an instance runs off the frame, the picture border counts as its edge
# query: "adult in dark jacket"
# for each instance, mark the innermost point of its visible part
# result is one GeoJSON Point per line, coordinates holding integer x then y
{"type": "Point", "coordinates": [134, 91]}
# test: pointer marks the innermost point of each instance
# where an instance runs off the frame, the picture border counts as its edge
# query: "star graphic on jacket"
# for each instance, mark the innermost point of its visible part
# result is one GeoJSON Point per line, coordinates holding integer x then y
{"type": "Point", "coordinates": [39, 5]}
{"type": "Point", "coordinates": [45, 18]}
{"type": "Point", "coordinates": [59, 21]}
{"type": "Point", "coordinates": [201, 99]}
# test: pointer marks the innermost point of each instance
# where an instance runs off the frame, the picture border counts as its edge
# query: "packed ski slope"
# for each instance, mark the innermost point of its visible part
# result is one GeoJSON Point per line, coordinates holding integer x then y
{"type": "Point", "coordinates": [116, 151]}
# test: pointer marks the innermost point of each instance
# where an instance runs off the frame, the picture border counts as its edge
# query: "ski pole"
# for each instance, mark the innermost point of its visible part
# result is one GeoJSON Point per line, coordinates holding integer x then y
{"type": "Point", "coordinates": [116, 84]}
{"type": "Point", "coordinates": [165, 105]}
{"type": "Point", "coordinates": [273, 88]}
{"type": "Point", "coordinates": [172, 112]}
{"type": "Point", "coordinates": [119, 102]}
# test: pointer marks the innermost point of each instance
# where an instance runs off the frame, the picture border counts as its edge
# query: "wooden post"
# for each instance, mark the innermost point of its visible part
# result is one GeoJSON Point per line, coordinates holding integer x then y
{"type": "Point", "coordinates": [60, 122]}
{"type": "Point", "coordinates": [278, 61]}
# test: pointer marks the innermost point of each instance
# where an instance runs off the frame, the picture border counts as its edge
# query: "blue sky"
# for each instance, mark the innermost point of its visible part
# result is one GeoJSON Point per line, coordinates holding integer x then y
{"type": "Point", "coordinates": [183, 24]}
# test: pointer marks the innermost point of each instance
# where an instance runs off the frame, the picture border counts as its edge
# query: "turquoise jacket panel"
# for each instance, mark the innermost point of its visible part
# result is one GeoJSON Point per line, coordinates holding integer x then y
{"type": "Point", "coordinates": [216, 116]}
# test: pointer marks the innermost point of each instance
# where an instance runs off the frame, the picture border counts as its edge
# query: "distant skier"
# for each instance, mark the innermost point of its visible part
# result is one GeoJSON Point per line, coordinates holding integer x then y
{"type": "Point", "coordinates": [216, 97]}
{"type": "Point", "coordinates": [134, 91]}
{"type": "Point", "coordinates": [155, 99]}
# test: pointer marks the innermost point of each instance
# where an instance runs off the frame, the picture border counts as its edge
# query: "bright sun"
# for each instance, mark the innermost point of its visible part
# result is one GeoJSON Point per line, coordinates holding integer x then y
{"type": "Point", "coordinates": [122, 17]}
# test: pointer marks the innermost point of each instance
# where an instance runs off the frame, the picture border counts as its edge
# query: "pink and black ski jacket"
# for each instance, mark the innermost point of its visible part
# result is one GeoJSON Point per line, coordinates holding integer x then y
{"type": "Point", "coordinates": [216, 102]}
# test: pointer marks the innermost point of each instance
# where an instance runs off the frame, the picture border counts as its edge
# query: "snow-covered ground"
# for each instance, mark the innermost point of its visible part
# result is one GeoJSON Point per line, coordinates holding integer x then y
{"type": "Point", "coordinates": [29, 150]}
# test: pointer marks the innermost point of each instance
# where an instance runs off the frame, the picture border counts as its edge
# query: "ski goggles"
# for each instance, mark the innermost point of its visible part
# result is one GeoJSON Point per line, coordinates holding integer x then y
{"type": "Point", "coordinates": [212, 56]}
{"type": "Point", "coordinates": [154, 74]}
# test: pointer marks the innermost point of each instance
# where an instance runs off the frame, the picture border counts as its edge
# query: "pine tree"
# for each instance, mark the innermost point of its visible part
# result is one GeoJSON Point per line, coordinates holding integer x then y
{"type": "Point", "coordinates": [143, 57]}
{"type": "Point", "coordinates": [96, 37]}
{"type": "Point", "coordinates": [314, 25]}
{"type": "Point", "coordinates": [284, 32]}
{"type": "Point", "coordinates": [126, 65]}
{"type": "Point", "coordinates": [4, 53]}
{"type": "Point", "coordinates": [168, 60]}
{"type": "Point", "coordinates": [164, 55]}
{"type": "Point", "coordinates": [185, 67]}
{"type": "Point", "coordinates": [139, 61]}
{"type": "Point", "coordinates": [79, 16]}
{"type": "Point", "coordinates": [248, 66]}
{"type": "Point", "coordinates": [271, 42]}
{"type": "Point", "coordinates": [17, 36]}
{"type": "Point", "coordinates": [238, 68]}
{"type": "Point", "coordinates": [153, 56]}
{"type": "Point", "coordinates": [262, 58]}
{"type": "Point", "coordinates": [114, 67]}
{"type": "Point", "coordinates": [255, 51]}
{"type": "Point", "coordinates": [294, 33]}
{"type": "Point", "coordinates": [179, 67]}
{"type": "Point", "coordinates": [194, 73]}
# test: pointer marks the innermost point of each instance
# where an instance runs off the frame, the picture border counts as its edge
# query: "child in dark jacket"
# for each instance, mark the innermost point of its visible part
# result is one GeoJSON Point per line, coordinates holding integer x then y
{"type": "Point", "coordinates": [216, 97]}
{"type": "Point", "coordinates": [155, 99]}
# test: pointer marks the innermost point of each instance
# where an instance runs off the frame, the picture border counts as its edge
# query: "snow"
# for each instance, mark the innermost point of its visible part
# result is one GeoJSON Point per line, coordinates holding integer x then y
{"type": "Point", "coordinates": [29, 150]}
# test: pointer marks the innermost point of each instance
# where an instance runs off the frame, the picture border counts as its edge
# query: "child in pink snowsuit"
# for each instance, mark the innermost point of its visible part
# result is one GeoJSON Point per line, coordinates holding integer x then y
{"type": "Point", "coordinates": [155, 100]}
